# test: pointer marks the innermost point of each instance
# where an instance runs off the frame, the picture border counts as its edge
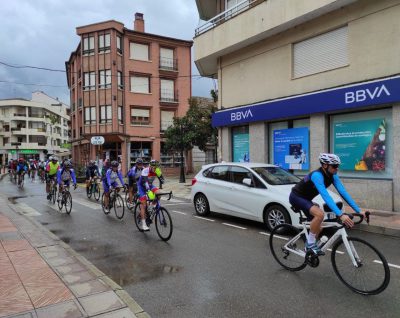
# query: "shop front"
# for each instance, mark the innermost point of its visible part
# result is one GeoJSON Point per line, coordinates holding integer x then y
{"type": "Point", "coordinates": [358, 122]}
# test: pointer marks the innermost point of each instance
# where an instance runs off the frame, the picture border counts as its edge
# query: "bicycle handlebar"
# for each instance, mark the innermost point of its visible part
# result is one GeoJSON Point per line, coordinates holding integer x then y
{"type": "Point", "coordinates": [360, 216]}
{"type": "Point", "coordinates": [165, 193]}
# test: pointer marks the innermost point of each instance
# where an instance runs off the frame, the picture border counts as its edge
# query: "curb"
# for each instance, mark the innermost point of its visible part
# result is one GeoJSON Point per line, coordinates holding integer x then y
{"type": "Point", "coordinates": [119, 291]}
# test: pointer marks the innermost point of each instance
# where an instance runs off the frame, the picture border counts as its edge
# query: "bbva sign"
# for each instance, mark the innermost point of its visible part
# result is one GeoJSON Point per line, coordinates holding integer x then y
{"type": "Point", "coordinates": [239, 115]}
{"type": "Point", "coordinates": [364, 94]}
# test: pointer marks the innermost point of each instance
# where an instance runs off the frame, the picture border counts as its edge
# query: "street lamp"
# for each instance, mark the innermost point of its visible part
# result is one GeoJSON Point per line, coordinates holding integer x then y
{"type": "Point", "coordinates": [182, 173]}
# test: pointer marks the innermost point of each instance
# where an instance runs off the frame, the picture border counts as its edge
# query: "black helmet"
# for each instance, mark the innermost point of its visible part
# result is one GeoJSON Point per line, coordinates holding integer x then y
{"type": "Point", "coordinates": [139, 160]}
{"type": "Point", "coordinates": [67, 164]}
{"type": "Point", "coordinates": [114, 163]}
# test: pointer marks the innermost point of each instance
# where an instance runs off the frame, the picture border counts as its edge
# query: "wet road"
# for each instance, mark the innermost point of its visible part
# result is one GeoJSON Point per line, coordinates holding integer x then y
{"type": "Point", "coordinates": [215, 267]}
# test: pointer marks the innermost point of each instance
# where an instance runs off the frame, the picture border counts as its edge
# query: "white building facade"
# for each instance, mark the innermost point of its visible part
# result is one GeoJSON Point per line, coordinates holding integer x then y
{"type": "Point", "coordinates": [34, 128]}
{"type": "Point", "coordinates": [297, 80]}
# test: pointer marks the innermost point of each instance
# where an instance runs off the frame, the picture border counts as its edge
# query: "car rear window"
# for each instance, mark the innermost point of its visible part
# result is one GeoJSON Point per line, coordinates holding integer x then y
{"type": "Point", "coordinates": [219, 173]}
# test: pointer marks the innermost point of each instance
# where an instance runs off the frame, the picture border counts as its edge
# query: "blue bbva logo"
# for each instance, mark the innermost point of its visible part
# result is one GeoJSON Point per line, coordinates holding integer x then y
{"type": "Point", "coordinates": [364, 94]}
{"type": "Point", "coordinates": [235, 116]}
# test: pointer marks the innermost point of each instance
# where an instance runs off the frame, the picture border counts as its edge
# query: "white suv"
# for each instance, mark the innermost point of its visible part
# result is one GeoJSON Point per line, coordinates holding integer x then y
{"type": "Point", "coordinates": [254, 191]}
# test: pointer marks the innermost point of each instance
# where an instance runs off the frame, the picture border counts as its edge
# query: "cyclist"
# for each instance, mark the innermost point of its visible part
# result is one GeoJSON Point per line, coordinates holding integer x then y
{"type": "Point", "coordinates": [41, 168]}
{"type": "Point", "coordinates": [32, 168]}
{"type": "Point", "coordinates": [21, 168]}
{"type": "Point", "coordinates": [316, 183]}
{"type": "Point", "coordinates": [133, 177]}
{"type": "Point", "coordinates": [51, 173]}
{"type": "Point", "coordinates": [64, 177]}
{"type": "Point", "coordinates": [92, 171]}
{"type": "Point", "coordinates": [110, 181]}
{"type": "Point", "coordinates": [146, 189]}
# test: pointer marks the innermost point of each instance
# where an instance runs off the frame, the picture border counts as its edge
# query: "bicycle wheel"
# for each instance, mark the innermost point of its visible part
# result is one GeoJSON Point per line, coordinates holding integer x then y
{"type": "Point", "coordinates": [89, 191]}
{"type": "Point", "coordinates": [68, 202]}
{"type": "Point", "coordinates": [96, 192]}
{"type": "Point", "coordinates": [164, 224]}
{"type": "Point", "coordinates": [129, 205]}
{"type": "Point", "coordinates": [106, 210]}
{"type": "Point", "coordinates": [119, 207]}
{"type": "Point", "coordinates": [54, 194]}
{"type": "Point", "coordinates": [370, 277]}
{"type": "Point", "coordinates": [60, 202]}
{"type": "Point", "coordinates": [137, 217]}
{"type": "Point", "coordinates": [286, 244]}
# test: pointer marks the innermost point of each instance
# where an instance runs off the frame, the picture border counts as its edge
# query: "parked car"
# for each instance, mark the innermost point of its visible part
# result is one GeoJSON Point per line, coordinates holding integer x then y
{"type": "Point", "coordinates": [254, 191]}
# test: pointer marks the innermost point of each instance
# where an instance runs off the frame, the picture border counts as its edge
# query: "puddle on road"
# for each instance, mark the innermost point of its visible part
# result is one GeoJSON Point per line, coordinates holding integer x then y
{"type": "Point", "coordinates": [14, 199]}
{"type": "Point", "coordinates": [125, 269]}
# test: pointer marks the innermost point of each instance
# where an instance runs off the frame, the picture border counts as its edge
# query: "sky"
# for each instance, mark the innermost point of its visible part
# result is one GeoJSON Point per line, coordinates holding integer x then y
{"type": "Point", "coordinates": [42, 33]}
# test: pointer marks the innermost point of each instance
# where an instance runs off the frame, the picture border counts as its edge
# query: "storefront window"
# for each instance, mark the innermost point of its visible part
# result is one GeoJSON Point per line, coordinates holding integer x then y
{"type": "Point", "coordinates": [240, 144]}
{"type": "Point", "coordinates": [141, 150]}
{"type": "Point", "coordinates": [169, 158]}
{"type": "Point", "coordinates": [363, 141]}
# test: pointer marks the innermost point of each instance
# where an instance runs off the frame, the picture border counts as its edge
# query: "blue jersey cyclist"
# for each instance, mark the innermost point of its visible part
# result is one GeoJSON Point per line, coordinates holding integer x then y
{"type": "Point", "coordinates": [92, 171]}
{"type": "Point", "coordinates": [133, 177]}
{"type": "Point", "coordinates": [65, 175]}
{"type": "Point", "coordinates": [316, 183]}
{"type": "Point", "coordinates": [21, 169]}
{"type": "Point", "coordinates": [146, 189]}
{"type": "Point", "coordinates": [110, 181]}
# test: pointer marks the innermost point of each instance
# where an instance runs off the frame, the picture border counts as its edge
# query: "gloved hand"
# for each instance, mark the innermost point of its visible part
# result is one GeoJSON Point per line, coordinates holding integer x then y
{"type": "Point", "coordinates": [151, 195]}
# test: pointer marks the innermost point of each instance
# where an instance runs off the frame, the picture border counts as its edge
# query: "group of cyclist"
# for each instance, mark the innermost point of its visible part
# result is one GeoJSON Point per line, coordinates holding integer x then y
{"type": "Point", "coordinates": [32, 167]}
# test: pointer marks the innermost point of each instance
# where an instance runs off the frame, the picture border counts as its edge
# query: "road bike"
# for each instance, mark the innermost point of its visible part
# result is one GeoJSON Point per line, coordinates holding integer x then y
{"type": "Point", "coordinates": [65, 199]}
{"type": "Point", "coordinates": [94, 189]}
{"type": "Point", "coordinates": [114, 201]}
{"type": "Point", "coordinates": [135, 199]}
{"type": "Point", "coordinates": [155, 212]}
{"type": "Point", "coordinates": [21, 179]}
{"type": "Point", "coordinates": [357, 263]}
{"type": "Point", "coordinates": [52, 191]}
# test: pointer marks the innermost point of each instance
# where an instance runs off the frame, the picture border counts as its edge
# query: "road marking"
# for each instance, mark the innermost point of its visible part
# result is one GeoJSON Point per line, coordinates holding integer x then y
{"type": "Point", "coordinates": [172, 200]}
{"type": "Point", "coordinates": [263, 233]}
{"type": "Point", "coordinates": [62, 211]}
{"type": "Point", "coordinates": [27, 210]}
{"type": "Point", "coordinates": [179, 212]}
{"type": "Point", "coordinates": [391, 265]}
{"type": "Point", "coordinates": [339, 252]}
{"type": "Point", "coordinates": [94, 206]}
{"type": "Point", "coordinates": [178, 203]}
{"type": "Point", "coordinates": [281, 237]}
{"type": "Point", "coordinates": [200, 217]}
{"type": "Point", "coordinates": [235, 226]}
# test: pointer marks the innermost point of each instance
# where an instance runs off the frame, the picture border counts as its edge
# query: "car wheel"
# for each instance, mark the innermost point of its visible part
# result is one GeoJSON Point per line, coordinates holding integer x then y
{"type": "Point", "coordinates": [201, 205]}
{"type": "Point", "coordinates": [275, 215]}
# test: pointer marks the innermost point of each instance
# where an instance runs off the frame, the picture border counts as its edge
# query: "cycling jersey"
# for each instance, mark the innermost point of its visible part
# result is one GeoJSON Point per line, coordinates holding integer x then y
{"type": "Point", "coordinates": [21, 167]}
{"type": "Point", "coordinates": [92, 171]}
{"type": "Point", "coordinates": [112, 176]}
{"type": "Point", "coordinates": [65, 175]}
{"type": "Point", "coordinates": [134, 173]}
{"type": "Point", "coordinates": [146, 178]}
{"type": "Point", "coordinates": [316, 183]}
{"type": "Point", "coordinates": [52, 168]}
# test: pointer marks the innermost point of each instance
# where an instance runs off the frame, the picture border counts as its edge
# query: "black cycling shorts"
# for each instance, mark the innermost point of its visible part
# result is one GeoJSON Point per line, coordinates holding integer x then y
{"type": "Point", "coordinates": [301, 203]}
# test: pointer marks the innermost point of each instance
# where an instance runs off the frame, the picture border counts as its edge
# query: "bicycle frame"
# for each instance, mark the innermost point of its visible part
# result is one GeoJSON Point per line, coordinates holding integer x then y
{"type": "Point", "coordinates": [340, 233]}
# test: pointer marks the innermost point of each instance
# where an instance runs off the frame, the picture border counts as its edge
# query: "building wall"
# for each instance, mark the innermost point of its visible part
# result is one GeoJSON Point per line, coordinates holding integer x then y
{"type": "Point", "coordinates": [267, 65]}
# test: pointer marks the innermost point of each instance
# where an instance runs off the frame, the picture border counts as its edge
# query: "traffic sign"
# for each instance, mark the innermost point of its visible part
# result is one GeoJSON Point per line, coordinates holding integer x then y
{"type": "Point", "coordinates": [97, 140]}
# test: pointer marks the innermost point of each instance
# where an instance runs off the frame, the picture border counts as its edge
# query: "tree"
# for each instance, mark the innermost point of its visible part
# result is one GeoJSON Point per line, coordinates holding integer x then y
{"type": "Point", "coordinates": [194, 129]}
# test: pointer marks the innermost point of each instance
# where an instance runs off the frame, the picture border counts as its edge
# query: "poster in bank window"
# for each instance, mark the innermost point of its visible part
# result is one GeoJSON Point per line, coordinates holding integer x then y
{"type": "Point", "coordinates": [241, 145]}
{"type": "Point", "coordinates": [291, 148]}
{"type": "Point", "coordinates": [361, 144]}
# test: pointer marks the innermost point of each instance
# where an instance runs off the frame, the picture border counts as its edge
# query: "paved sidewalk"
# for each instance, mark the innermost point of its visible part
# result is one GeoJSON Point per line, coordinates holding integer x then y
{"type": "Point", "coordinates": [41, 276]}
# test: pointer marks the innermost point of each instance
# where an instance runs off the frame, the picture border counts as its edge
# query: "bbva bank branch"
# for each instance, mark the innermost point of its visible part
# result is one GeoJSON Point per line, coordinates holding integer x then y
{"type": "Point", "coordinates": [359, 122]}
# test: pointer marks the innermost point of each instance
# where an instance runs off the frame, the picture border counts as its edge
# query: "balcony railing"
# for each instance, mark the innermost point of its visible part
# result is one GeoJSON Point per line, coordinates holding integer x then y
{"type": "Point", "coordinates": [226, 15]}
{"type": "Point", "coordinates": [169, 96]}
{"type": "Point", "coordinates": [168, 64]}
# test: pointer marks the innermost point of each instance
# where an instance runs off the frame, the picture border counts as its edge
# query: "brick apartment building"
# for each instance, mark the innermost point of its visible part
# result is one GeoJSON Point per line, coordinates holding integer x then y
{"type": "Point", "coordinates": [126, 86]}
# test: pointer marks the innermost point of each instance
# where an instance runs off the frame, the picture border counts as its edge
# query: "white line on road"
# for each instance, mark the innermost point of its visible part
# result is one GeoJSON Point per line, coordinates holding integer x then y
{"type": "Point", "coordinates": [173, 200]}
{"type": "Point", "coordinates": [263, 233]}
{"type": "Point", "coordinates": [172, 203]}
{"type": "Point", "coordinates": [200, 217]}
{"type": "Point", "coordinates": [179, 212]}
{"type": "Point", "coordinates": [94, 206]}
{"type": "Point", "coordinates": [27, 210]}
{"type": "Point", "coordinates": [281, 237]}
{"type": "Point", "coordinates": [55, 207]}
{"type": "Point", "coordinates": [235, 226]}
{"type": "Point", "coordinates": [339, 252]}
{"type": "Point", "coordinates": [391, 265]}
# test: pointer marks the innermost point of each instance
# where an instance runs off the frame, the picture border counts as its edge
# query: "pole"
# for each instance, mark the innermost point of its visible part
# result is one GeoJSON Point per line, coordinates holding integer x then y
{"type": "Point", "coordinates": [182, 174]}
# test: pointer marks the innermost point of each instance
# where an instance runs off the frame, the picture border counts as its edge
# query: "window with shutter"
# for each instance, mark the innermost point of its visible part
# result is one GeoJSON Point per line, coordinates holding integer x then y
{"type": "Point", "coordinates": [139, 51]}
{"type": "Point", "coordinates": [140, 84]}
{"type": "Point", "coordinates": [167, 119]}
{"type": "Point", "coordinates": [140, 116]}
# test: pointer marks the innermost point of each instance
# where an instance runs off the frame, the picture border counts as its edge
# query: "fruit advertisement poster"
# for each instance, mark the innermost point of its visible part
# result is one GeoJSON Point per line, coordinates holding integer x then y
{"type": "Point", "coordinates": [361, 144]}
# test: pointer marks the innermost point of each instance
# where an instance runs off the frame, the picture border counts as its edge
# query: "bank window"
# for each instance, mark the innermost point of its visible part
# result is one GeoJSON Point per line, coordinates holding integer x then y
{"type": "Point", "coordinates": [321, 53]}
{"type": "Point", "coordinates": [105, 114]}
{"type": "Point", "coordinates": [363, 141]}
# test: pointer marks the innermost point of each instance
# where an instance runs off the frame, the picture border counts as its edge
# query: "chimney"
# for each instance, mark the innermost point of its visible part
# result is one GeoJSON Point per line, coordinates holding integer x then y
{"type": "Point", "coordinates": [139, 22]}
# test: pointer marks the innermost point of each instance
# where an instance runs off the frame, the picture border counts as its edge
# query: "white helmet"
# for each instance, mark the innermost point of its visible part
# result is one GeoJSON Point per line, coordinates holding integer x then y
{"type": "Point", "coordinates": [329, 159]}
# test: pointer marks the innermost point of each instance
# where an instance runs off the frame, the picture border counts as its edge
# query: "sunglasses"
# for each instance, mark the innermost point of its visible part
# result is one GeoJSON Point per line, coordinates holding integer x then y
{"type": "Point", "coordinates": [334, 166]}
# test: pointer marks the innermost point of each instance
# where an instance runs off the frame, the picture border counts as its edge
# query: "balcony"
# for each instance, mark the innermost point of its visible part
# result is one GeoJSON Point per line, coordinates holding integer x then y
{"type": "Point", "coordinates": [169, 97]}
{"type": "Point", "coordinates": [250, 22]}
{"type": "Point", "coordinates": [168, 64]}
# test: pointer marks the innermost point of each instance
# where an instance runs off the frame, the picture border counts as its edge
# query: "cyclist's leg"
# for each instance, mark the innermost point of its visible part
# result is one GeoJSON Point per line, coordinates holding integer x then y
{"type": "Point", "coordinates": [106, 193]}
{"type": "Point", "coordinates": [87, 184]}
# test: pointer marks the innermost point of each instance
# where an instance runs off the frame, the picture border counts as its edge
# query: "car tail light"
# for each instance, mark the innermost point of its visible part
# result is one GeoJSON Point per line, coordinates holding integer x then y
{"type": "Point", "coordinates": [194, 180]}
